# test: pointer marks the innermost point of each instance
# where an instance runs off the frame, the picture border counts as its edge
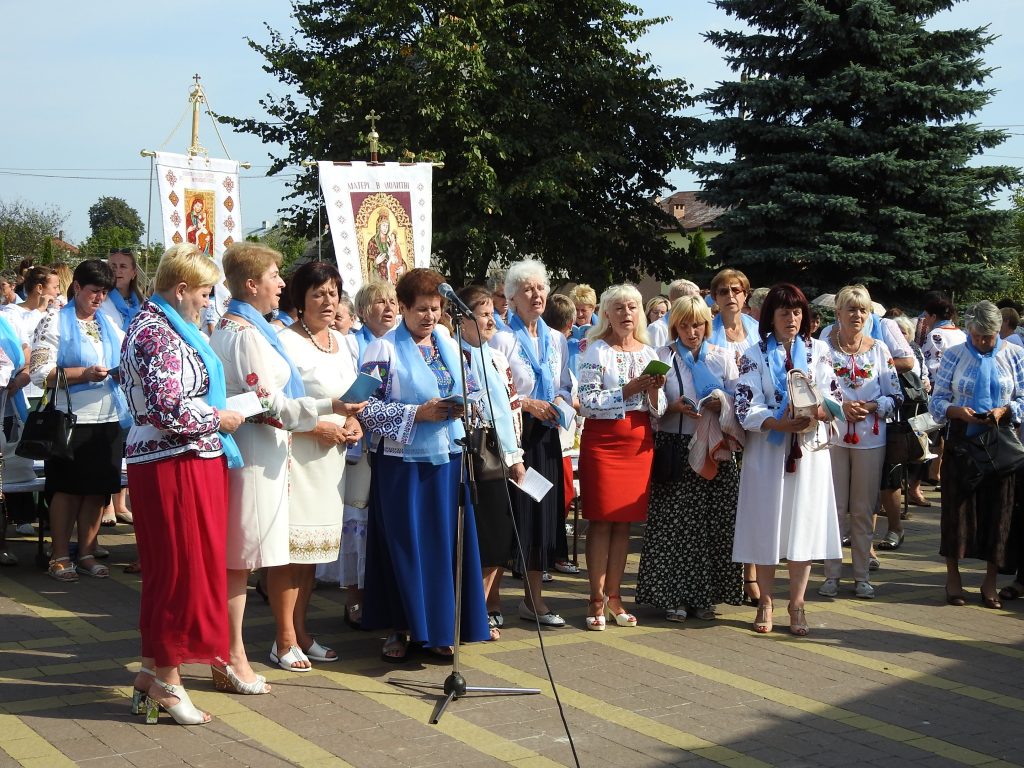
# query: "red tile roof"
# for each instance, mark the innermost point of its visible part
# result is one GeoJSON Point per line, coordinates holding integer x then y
{"type": "Point", "coordinates": [691, 212]}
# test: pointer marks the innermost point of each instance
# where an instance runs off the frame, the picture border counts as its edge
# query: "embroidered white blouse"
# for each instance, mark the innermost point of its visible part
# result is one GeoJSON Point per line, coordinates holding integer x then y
{"type": "Point", "coordinates": [604, 371]}
{"type": "Point", "coordinates": [721, 361]}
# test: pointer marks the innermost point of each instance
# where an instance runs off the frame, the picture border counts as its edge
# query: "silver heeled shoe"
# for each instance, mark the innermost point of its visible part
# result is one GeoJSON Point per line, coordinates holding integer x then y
{"type": "Point", "coordinates": [184, 712]}
{"type": "Point", "coordinates": [140, 697]}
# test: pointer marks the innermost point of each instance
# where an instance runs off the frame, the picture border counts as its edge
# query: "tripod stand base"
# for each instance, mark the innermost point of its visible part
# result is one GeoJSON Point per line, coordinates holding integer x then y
{"type": "Point", "coordinates": [455, 687]}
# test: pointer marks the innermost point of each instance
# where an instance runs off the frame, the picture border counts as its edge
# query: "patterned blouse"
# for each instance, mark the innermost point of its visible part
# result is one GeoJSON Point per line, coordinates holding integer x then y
{"type": "Point", "coordinates": [867, 376]}
{"type": "Point", "coordinates": [164, 381]}
{"type": "Point", "coordinates": [604, 371]}
{"type": "Point", "coordinates": [954, 381]}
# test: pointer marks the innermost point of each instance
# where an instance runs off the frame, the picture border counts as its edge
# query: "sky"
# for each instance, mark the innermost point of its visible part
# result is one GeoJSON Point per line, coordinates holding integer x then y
{"type": "Point", "coordinates": [86, 91]}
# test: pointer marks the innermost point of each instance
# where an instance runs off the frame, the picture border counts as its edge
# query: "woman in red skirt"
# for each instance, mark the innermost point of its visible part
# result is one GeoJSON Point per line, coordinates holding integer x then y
{"type": "Point", "coordinates": [618, 400]}
{"type": "Point", "coordinates": [178, 452]}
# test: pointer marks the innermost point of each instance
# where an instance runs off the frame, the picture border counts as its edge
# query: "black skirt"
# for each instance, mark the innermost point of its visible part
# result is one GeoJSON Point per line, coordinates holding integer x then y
{"type": "Point", "coordinates": [538, 521]}
{"type": "Point", "coordinates": [96, 468]}
{"type": "Point", "coordinates": [494, 523]}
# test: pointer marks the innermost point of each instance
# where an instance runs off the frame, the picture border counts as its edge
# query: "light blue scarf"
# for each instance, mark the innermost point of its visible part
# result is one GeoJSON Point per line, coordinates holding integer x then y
{"type": "Point", "coordinates": [127, 309]}
{"type": "Point", "coordinates": [544, 385]}
{"type": "Point", "coordinates": [718, 337]}
{"type": "Point", "coordinates": [987, 389]}
{"type": "Point", "coordinates": [481, 363]}
{"type": "Point", "coordinates": [363, 338]}
{"type": "Point", "coordinates": [11, 345]}
{"type": "Point", "coordinates": [777, 368]}
{"type": "Point", "coordinates": [875, 331]}
{"type": "Point", "coordinates": [704, 381]}
{"type": "Point", "coordinates": [294, 388]}
{"type": "Point", "coordinates": [76, 352]}
{"type": "Point", "coordinates": [216, 395]}
{"type": "Point", "coordinates": [432, 441]}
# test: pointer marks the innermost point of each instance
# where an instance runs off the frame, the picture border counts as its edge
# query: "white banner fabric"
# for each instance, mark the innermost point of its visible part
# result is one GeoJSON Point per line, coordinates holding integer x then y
{"type": "Point", "coordinates": [379, 217]}
{"type": "Point", "coordinates": [199, 204]}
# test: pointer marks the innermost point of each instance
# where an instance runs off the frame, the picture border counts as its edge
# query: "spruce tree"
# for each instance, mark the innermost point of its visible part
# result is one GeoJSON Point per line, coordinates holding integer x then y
{"type": "Point", "coordinates": [851, 124]}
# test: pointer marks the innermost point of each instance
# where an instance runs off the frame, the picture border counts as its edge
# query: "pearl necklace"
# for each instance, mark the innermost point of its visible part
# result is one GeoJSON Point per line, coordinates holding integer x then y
{"type": "Point", "coordinates": [330, 339]}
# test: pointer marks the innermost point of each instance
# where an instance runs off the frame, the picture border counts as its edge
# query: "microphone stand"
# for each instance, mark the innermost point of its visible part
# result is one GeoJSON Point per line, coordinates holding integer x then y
{"type": "Point", "coordinates": [454, 686]}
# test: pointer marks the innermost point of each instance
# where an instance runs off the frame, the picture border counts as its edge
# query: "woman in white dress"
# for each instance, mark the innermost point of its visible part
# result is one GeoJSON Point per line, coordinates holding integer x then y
{"type": "Point", "coordinates": [258, 516]}
{"type": "Point", "coordinates": [317, 483]}
{"type": "Point", "coordinates": [787, 505]}
{"type": "Point", "coordinates": [871, 397]}
{"type": "Point", "coordinates": [619, 399]}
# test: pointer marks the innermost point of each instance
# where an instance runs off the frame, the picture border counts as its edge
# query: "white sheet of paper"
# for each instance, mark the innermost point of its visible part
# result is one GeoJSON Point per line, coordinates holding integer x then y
{"type": "Point", "coordinates": [534, 484]}
{"type": "Point", "coordinates": [246, 404]}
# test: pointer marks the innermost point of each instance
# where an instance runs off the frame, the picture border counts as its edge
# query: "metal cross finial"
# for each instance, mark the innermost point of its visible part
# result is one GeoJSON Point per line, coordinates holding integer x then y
{"type": "Point", "coordinates": [373, 117]}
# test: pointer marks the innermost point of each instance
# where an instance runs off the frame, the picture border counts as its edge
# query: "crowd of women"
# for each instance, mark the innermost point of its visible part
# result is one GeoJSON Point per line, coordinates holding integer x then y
{"type": "Point", "coordinates": [742, 441]}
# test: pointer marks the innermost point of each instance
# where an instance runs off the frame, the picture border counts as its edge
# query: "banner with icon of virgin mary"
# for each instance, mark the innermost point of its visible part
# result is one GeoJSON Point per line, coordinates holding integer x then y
{"type": "Point", "coordinates": [380, 219]}
{"type": "Point", "coordinates": [199, 204]}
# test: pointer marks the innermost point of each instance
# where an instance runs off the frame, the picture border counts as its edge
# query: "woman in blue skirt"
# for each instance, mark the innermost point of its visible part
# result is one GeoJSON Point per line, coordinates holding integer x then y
{"type": "Point", "coordinates": [410, 549]}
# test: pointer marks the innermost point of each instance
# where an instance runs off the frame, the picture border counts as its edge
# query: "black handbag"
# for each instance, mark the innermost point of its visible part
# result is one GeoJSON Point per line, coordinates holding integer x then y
{"type": "Point", "coordinates": [669, 457]}
{"type": "Point", "coordinates": [488, 462]}
{"type": "Point", "coordinates": [904, 444]}
{"type": "Point", "coordinates": [996, 451]}
{"type": "Point", "coordinates": [47, 432]}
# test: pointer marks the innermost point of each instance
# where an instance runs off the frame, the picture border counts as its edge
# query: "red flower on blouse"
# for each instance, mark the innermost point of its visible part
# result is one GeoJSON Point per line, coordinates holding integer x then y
{"type": "Point", "coordinates": [252, 379]}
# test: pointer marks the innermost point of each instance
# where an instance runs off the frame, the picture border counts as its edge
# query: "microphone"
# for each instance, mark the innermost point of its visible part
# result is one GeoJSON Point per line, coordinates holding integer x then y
{"type": "Point", "coordinates": [448, 293]}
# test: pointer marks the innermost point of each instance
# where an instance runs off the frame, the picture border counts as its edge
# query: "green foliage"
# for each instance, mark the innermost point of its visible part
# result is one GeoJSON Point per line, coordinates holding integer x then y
{"type": "Point", "coordinates": [46, 252]}
{"type": "Point", "coordinates": [286, 241]}
{"type": "Point", "coordinates": [698, 250]}
{"type": "Point", "coordinates": [849, 126]}
{"type": "Point", "coordinates": [555, 132]}
{"type": "Point", "coordinates": [113, 212]}
{"type": "Point", "coordinates": [99, 244]}
{"type": "Point", "coordinates": [23, 228]}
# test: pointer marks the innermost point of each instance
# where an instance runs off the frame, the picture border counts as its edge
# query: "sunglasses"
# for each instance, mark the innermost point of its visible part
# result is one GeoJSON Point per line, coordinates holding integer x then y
{"type": "Point", "coordinates": [729, 290]}
{"type": "Point", "coordinates": [121, 251]}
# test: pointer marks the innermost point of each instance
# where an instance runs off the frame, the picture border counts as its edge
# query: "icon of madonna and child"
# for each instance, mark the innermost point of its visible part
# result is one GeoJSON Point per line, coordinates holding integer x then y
{"type": "Point", "coordinates": [198, 228]}
{"type": "Point", "coordinates": [384, 258]}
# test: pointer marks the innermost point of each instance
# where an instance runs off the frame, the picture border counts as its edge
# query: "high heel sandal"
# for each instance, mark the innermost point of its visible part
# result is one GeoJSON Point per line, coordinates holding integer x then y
{"type": "Point", "coordinates": [225, 679]}
{"type": "Point", "coordinates": [139, 696]}
{"type": "Point", "coordinates": [596, 623]}
{"type": "Point", "coordinates": [798, 622]}
{"type": "Point", "coordinates": [184, 712]}
{"type": "Point", "coordinates": [624, 619]}
{"type": "Point", "coordinates": [763, 619]}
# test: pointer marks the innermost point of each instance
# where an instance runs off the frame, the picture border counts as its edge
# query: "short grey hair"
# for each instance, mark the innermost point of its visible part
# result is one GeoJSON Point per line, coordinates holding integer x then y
{"type": "Point", "coordinates": [757, 297]}
{"type": "Point", "coordinates": [520, 272]}
{"type": "Point", "coordinates": [679, 288]}
{"type": "Point", "coordinates": [985, 318]}
{"type": "Point", "coordinates": [907, 326]}
{"type": "Point", "coordinates": [495, 280]}
{"type": "Point", "coordinates": [346, 301]}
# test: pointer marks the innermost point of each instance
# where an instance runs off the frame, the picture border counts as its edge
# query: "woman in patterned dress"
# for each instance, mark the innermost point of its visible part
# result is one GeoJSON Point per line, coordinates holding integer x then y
{"type": "Point", "coordinates": [315, 504]}
{"type": "Point", "coordinates": [178, 453]}
{"type": "Point", "coordinates": [618, 398]}
{"type": "Point", "coordinates": [414, 496]}
{"type": "Point", "coordinates": [259, 530]}
{"type": "Point", "coordinates": [686, 565]}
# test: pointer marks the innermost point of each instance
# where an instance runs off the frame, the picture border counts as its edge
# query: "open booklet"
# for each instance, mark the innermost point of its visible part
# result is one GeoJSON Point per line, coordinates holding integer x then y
{"type": "Point", "coordinates": [534, 484]}
{"type": "Point", "coordinates": [361, 389]}
{"type": "Point", "coordinates": [834, 408]}
{"type": "Point", "coordinates": [697, 406]}
{"type": "Point", "coordinates": [246, 403]}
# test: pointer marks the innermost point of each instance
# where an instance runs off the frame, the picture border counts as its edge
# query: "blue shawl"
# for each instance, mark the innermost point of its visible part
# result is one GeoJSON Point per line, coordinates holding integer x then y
{"type": "Point", "coordinates": [432, 441]}
{"type": "Point", "coordinates": [294, 388]}
{"type": "Point", "coordinates": [704, 381]}
{"type": "Point", "coordinates": [987, 389]}
{"type": "Point", "coordinates": [481, 362]}
{"type": "Point", "coordinates": [363, 338]}
{"type": "Point", "coordinates": [216, 395]}
{"type": "Point", "coordinates": [127, 309]}
{"type": "Point", "coordinates": [777, 368]}
{"type": "Point", "coordinates": [76, 352]}
{"type": "Point", "coordinates": [11, 345]}
{"type": "Point", "coordinates": [544, 381]}
{"type": "Point", "coordinates": [718, 338]}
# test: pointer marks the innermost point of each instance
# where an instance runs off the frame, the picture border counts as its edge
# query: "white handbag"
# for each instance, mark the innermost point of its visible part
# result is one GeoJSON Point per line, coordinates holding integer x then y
{"type": "Point", "coordinates": [804, 397]}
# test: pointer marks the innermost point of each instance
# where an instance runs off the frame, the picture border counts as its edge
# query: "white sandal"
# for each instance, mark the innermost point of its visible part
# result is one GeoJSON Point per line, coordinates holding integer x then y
{"type": "Point", "coordinates": [96, 570]}
{"type": "Point", "coordinates": [317, 652]}
{"type": "Point", "coordinates": [286, 660]}
{"type": "Point", "coordinates": [184, 712]}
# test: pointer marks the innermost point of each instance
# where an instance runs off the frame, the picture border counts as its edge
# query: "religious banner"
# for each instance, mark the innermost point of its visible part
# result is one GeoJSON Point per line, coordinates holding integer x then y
{"type": "Point", "coordinates": [199, 204]}
{"type": "Point", "coordinates": [380, 219]}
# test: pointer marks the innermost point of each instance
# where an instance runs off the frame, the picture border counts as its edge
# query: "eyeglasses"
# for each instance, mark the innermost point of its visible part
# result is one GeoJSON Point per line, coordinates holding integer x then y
{"type": "Point", "coordinates": [731, 289]}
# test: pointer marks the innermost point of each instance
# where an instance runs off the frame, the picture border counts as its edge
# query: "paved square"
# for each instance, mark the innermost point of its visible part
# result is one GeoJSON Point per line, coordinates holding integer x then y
{"type": "Point", "coordinates": [900, 680]}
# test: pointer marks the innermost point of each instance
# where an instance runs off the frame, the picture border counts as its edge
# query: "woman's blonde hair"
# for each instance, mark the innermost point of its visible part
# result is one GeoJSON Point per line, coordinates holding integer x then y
{"type": "Point", "coordinates": [655, 302]}
{"type": "Point", "coordinates": [583, 294]}
{"type": "Point", "coordinates": [247, 261]}
{"type": "Point", "coordinates": [856, 296]}
{"type": "Point", "coordinates": [688, 309]}
{"type": "Point", "coordinates": [610, 296]}
{"type": "Point", "coordinates": [185, 263]}
{"type": "Point", "coordinates": [372, 292]}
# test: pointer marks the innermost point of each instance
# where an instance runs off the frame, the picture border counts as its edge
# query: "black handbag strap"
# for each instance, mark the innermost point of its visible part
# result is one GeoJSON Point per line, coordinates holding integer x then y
{"type": "Point", "coordinates": [679, 378]}
{"type": "Point", "coordinates": [60, 382]}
